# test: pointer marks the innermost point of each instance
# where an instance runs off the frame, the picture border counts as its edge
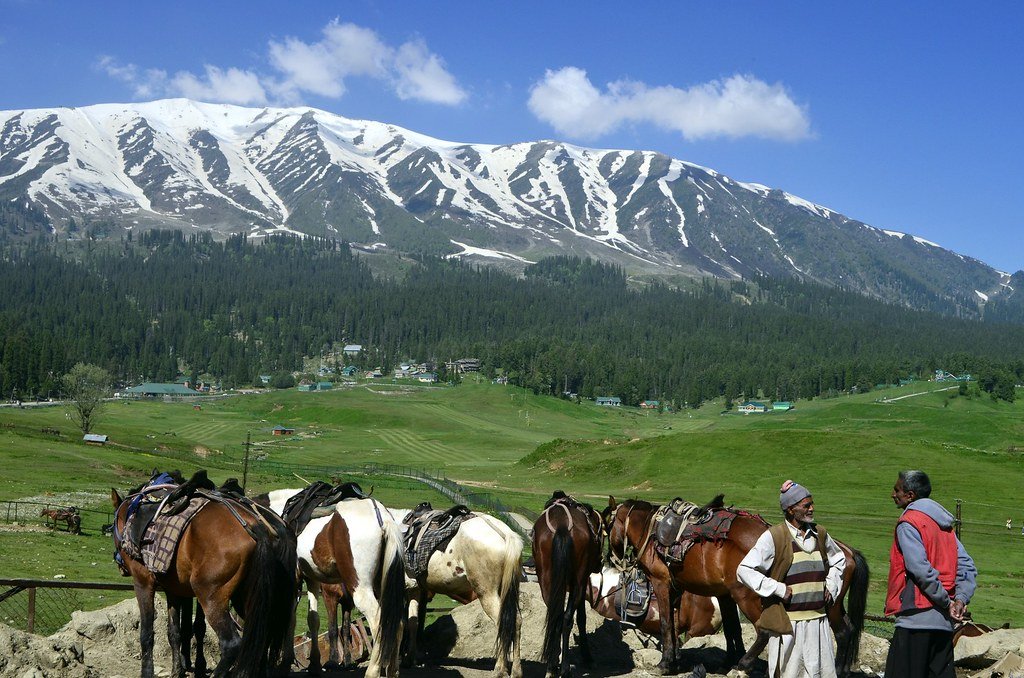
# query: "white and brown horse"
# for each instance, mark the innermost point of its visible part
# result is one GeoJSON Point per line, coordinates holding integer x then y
{"type": "Point", "coordinates": [482, 560]}
{"type": "Point", "coordinates": [358, 549]}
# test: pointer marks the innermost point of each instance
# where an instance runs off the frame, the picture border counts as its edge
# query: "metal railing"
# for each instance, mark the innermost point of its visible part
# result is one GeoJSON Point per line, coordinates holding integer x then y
{"type": "Point", "coordinates": [43, 606]}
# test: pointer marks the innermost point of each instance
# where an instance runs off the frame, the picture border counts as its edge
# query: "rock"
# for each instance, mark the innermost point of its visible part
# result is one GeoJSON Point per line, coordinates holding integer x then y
{"type": "Point", "coordinates": [977, 652]}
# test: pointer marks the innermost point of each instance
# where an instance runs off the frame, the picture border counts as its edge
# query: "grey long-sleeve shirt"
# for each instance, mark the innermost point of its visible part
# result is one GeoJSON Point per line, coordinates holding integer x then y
{"type": "Point", "coordinates": [926, 577]}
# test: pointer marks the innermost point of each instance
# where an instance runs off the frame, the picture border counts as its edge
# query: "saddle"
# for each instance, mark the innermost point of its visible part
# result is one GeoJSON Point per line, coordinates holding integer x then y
{"type": "Point", "coordinates": [429, 530]}
{"type": "Point", "coordinates": [680, 524]}
{"type": "Point", "coordinates": [156, 519]}
{"type": "Point", "coordinates": [567, 503]}
{"type": "Point", "coordinates": [298, 510]}
{"type": "Point", "coordinates": [633, 597]}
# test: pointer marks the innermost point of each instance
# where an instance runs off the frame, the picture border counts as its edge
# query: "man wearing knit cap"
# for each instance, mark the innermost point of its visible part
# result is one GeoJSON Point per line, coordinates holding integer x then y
{"type": "Point", "coordinates": [797, 569]}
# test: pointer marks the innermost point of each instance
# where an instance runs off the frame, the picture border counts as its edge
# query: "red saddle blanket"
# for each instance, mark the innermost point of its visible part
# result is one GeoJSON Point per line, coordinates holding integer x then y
{"type": "Point", "coordinates": [714, 530]}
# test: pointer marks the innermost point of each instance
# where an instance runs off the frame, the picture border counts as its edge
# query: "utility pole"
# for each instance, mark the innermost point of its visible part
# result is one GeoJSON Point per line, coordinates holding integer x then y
{"type": "Point", "coordinates": [245, 466]}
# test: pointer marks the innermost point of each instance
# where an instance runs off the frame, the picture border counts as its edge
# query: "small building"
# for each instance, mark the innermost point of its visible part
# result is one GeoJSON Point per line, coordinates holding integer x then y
{"type": "Point", "coordinates": [156, 390]}
{"type": "Point", "coordinates": [752, 406]}
{"type": "Point", "coordinates": [352, 349]}
{"type": "Point", "coordinates": [94, 439]}
{"type": "Point", "coordinates": [426, 377]}
{"type": "Point", "coordinates": [782, 406]}
{"type": "Point", "coordinates": [324, 386]}
{"type": "Point", "coordinates": [650, 405]}
{"type": "Point", "coordinates": [282, 431]}
{"type": "Point", "coordinates": [350, 371]}
{"type": "Point", "coordinates": [264, 379]}
{"type": "Point", "coordinates": [608, 401]}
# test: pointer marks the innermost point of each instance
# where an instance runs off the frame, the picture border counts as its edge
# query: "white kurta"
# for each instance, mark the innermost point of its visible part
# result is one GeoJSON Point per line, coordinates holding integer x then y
{"type": "Point", "coordinates": [809, 651]}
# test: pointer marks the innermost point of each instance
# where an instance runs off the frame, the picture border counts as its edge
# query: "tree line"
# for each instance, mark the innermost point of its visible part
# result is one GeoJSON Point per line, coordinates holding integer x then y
{"type": "Point", "coordinates": [162, 304]}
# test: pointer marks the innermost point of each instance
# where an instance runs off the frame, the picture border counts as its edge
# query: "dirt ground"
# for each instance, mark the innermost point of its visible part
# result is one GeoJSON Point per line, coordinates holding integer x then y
{"type": "Point", "coordinates": [104, 644]}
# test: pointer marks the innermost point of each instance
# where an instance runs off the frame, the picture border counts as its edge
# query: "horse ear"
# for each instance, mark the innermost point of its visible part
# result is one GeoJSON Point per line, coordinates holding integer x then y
{"type": "Point", "coordinates": [611, 502]}
{"type": "Point", "coordinates": [115, 498]}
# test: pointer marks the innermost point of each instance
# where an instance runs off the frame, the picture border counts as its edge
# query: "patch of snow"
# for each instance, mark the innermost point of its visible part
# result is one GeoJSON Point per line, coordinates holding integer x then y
{"type": "Point", "coordinates": [982, 295]}
{"type": "Point", "coordinates": [481, 252]}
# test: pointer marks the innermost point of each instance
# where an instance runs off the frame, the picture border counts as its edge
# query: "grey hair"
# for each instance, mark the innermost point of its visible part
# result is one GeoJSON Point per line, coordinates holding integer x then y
{"type": "Point", "coordinates": [916, 482]}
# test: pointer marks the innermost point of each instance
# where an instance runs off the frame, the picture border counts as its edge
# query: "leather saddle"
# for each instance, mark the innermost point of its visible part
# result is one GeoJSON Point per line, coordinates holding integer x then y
{"type": "Point", "coordinates": [679, 518]}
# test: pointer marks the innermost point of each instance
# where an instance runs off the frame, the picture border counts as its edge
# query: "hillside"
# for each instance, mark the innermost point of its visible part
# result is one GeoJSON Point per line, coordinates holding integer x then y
{"type": "Point", "coordinates": [159, 306]}
{"type": "Point", "coordinates": [847, 450]}
{"type": "Point", "coordinates": [103, 170]}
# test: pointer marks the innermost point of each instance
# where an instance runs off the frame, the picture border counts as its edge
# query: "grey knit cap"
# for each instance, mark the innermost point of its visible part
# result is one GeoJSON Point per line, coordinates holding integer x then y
{"type": "Point", "coordinates": [790, 494]}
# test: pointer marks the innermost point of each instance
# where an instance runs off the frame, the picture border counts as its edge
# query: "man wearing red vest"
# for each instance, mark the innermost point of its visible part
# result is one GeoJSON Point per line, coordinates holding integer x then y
{"type": "Point", "coordinates": [931, 581]}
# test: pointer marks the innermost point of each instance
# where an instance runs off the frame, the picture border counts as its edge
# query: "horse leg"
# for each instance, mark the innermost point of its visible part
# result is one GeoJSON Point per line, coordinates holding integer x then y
{"type": "Point", "coordinates": [416, 622]}
{"type": "Point", "coordinates": [219, 618]}
{"type": "Point", "coordinates": [346, 633]}
{"type": "Point", "coordinates": [749, 603]}
{"type": "Point", "coordinates": [586, 658]}
{"type": "Point", "coordinates": [313, 627]}
{"type": "Point", "coordinates": [491, 604]}
{"type": "Point", "coordinates": [667, 612]}
{"type": "Point", "coordinates": [186, 627]}
{"type": "Point", "coordinates": [175, 612]}
{"type": "Point", "coordinates": [331, 605]}
{"type": "Point", "coordinates": [567, 617]}
{"type": "Point", "coordinates": [199, 633]}
{"type": "Point", "coordinates": [144, 593]}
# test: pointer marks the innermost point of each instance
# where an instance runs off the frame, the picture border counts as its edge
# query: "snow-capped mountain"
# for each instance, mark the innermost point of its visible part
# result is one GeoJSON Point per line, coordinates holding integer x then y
{"type": "Point", "coordinates": [229, 169]}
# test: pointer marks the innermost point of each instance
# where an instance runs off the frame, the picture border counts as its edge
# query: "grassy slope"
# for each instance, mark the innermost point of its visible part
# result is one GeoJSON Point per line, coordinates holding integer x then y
{"type": "Point", "coordinates": [846, 450]}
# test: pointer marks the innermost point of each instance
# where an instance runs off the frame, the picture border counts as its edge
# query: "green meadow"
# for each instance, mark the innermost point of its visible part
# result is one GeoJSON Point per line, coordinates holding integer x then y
{"type": "Point", "coordinates": [518, 446]}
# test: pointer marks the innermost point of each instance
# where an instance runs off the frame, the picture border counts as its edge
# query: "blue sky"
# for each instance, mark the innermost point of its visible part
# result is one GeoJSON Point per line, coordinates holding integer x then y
{"type": "Point", "coordinates": [903, 115]}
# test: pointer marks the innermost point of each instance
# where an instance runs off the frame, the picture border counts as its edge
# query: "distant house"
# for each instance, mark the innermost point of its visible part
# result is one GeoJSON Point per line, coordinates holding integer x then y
{"type": "Point", "coordinates": [350, 371]}
{"type": "Point", "coordinates": [426, 377]}
{"type": "Point", "coordinates": [650, 405]}
{"type": "Point", "coordinates": [324, 386]}
{"type": "Point", "coordinates": [608, 401]}
{"type": "Point", "coordinates": [94, 439]}
{"type": "Point", "coordinates": [155, 390]}
{"type": "Point", "coordinates": [752, 406]}
{"type": "Point", "coordinates": [352, 349]}
{"type": "Point", "coordinates": [264, 379]}
{"type": "Point", "coordinates": [782, 405]}
{"type": "Point", "coordinates": [306, 386]}
{"type": "Point", "coordinates": [282, 431]}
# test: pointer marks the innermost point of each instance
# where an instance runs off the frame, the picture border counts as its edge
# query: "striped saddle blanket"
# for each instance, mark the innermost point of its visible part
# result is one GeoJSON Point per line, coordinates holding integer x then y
{"type": "Point", "coordinates": [160, 540]}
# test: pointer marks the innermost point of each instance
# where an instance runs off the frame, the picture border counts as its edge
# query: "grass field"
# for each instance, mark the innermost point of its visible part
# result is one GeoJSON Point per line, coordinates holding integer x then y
{"type": "Point", "coordinates": [846, 450]}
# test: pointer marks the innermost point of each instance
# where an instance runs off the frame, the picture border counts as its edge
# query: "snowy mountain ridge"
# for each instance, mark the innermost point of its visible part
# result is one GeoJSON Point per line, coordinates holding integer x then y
{"type": "Point", "coordinates": [184, 164]}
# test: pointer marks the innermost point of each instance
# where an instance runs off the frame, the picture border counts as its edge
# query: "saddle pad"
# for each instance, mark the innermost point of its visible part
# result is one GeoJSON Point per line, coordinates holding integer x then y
{"type": "Point", "coordinates": [431, 532]}
{"type": "Point", "coordinates": [161, 539]}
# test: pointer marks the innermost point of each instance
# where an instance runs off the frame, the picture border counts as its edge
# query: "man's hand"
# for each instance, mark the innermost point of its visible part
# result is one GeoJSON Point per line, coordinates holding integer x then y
{"type": "Point", "coordinates": [789, 594]}
{"type": "Point", "coordinates": [957, 610]}
{"type": "Point", "coordinates": [828, 600]}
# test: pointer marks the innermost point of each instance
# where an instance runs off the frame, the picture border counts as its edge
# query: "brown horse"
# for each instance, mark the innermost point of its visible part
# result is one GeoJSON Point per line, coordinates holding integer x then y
{"type": "Point", "coordinates": [69, 516]}
{"type": "Point", "coordinates": [227, 555]}
{"type": "Point", "coordinates": [709, 569]}
{"type": "Point", "coordinates": [567, 549]}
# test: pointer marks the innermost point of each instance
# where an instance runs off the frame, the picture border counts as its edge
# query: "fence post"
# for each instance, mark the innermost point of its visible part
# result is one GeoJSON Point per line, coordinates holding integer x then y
{"type": "Point", "coordinates": [959, 503]}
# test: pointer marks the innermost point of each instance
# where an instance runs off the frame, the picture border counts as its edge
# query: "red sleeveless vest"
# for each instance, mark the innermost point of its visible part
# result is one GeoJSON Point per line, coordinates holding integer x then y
{"type": "Point", "coordinates": [941, 549]}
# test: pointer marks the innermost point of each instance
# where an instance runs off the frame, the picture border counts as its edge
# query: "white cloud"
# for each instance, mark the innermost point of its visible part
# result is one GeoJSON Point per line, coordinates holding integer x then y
{"type": "Point", "coordinates": [233, 86]}
{"type": "Point", "coordinates": [421, 75]}
{"type": "Point", "coordinates": [301, 68]}
{"type": "Point", "coordinates": [739, 106]}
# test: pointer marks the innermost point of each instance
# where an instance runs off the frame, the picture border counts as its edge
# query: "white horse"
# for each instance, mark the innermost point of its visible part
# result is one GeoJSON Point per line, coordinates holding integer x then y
{"type": "Point", "coordinates": [482, 560]}
{"type": "Point", "coordinates": [359, 548]}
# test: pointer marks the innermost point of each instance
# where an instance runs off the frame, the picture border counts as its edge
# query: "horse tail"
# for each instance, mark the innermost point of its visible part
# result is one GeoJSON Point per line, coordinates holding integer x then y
{"type": "Point", "coordinates": [508, 617]}
{"type": "Point", "coordinates": [559, 578]}
{"type": "Point", "coordinates": [269, 587]}
{"type": "Point", "coordinates": [857, 599]}
{"type": "Point", "coordinates": [388, 634]}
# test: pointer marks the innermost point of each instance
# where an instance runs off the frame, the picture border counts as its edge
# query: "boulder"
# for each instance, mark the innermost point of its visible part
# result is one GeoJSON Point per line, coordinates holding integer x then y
{"type": "Point", "coordinates": [977, 652]}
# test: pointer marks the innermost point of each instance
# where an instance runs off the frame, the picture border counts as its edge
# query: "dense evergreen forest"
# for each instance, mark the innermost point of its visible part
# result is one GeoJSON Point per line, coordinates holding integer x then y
{"type": "Point", "coordinates": [162, 303]}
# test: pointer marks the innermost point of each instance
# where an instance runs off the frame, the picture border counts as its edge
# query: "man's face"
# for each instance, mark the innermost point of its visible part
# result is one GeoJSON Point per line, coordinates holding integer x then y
{"type": "Point", "coordinates": [900, 495]}
{"type": "Point", "coordinates": [802, 512]}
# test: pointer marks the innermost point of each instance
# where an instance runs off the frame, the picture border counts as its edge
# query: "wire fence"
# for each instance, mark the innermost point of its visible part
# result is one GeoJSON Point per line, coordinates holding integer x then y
{"type": "Point", "coordinates": [43, 607]}
{"type": "Point", "coordinates": [31, 513]}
